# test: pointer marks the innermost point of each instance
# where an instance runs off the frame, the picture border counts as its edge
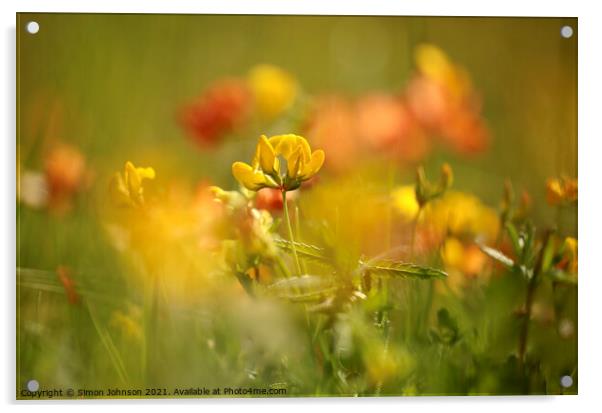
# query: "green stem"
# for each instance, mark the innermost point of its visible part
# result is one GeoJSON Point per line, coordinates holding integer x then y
{"type": "Point", "coordinates": [414, 231]}
{"type": "Point", "coordinates": [385, 324]}
{"type": "Point", "coordinates": [149, 348]}
{"type": "Point", "coordinates": [282, 267]}
{"type": "Point", "coordinates": [290, 232]}
{"type": "Point", "coordinates": [524, 332]}
{"type": "Point", "coordinates": [298, 231]}
{"type": "Point", "coordinates": [531, 287]}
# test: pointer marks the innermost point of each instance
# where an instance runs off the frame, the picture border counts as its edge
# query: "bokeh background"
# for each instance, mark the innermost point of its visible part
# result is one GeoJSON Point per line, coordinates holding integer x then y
{"type": "Point", "coordinates": [121, 78]}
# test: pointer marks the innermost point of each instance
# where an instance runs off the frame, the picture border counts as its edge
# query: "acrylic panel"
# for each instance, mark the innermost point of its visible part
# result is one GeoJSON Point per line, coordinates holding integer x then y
{"type": "Point", "coordinates": [295, 206]}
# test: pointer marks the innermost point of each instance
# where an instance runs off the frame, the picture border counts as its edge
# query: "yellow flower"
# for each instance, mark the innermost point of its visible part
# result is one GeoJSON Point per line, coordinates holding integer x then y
{"type": "Point", "coordinates": [126, 188]}
{"type": "Point", "coordinates": [282, 162]}
{"type": "Point", "coordinates": [274, 89]}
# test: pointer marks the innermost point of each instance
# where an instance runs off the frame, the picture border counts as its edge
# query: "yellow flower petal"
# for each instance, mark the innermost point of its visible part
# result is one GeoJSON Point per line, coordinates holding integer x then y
{"type": "Point", "coordinates": [284, 144]}
{"type": "Point", "coordinates": [267, 156]}
{"type": "Point", "coordinates": [248, 177]}
{"type": "Point", "coordinates": [315, 163]}
{"type": "Point", "coordinates": [294, 163]}
{"type": "Point", "coordinates": [305, 148]}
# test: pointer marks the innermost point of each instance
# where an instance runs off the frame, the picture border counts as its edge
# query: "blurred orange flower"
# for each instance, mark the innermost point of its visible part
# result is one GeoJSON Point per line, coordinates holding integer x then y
{"type": "Point", "coordinates": [464, 257]}
{"type": "Point", "coordinates": [331, 126]}
{"type": "Point", "coordinates": [385, 124]}
{"type": "Point", "coordinates": [218, 111]}
{"type": "Point", "coordinates": [270, 199]}
{"type": "Point", "coordinates": [561, 190]}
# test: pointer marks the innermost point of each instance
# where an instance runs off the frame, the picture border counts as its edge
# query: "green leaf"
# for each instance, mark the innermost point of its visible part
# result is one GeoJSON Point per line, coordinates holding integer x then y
{"type": "Point", "coordinates": [48, 281]}
{"type": "Point", "coordinates": [305, 251]}
{"type": "Point", "coordinates": [528, 251]}
{"type": "Point", "coordinates": [514, 238]}
{"type": "Point", "coordinates": [401, 269]}
{"type": "Point", "coordinates": [548, 255]}
{"type": "Point", "coordinates": [304, 288]}
{"type": "Point", "coordinates": [497, 255]}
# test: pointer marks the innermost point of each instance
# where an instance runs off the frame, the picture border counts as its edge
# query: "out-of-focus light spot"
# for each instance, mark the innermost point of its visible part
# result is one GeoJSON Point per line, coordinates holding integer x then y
{"type": "Point", "coordinates": [566, 32]}
{"type": "Point", "coordinates": [32, 27]}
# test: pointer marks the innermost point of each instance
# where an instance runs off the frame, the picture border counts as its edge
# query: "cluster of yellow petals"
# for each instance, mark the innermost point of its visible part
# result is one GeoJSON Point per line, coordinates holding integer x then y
{"type": "Point", "coordinates": [267, 169]}
{"type": "Point", "coordinates": [126, 188]}
{"type": "Point", "coordinates": [454, 213]}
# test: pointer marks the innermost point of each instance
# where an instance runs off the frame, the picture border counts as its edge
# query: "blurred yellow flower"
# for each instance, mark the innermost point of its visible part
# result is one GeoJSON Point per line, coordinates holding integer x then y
{"type": "Point", "coordinates": [126, 188]}
{"type": "Point", "coordinates": [274, 89]}
{"type": "Point", "coordinates": [452, 253]}
{"type": "Point", "coordinates": [434, 64]}
{"type": "Point", "coordinates": [408, 199]}
{"type": "Point", "coordinates": [461, 214]}
{"type": "Point", "coordinates": [267, 170]}
{"type": "Point", "coordinates": [559, 191]}
{"type": "Point", "coordinates": [404, 200]}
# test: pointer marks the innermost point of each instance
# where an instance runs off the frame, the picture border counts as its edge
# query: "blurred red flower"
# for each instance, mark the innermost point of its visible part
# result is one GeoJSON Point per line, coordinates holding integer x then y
{"type": "Point", "coordinates": [270, 199]}
{"type": "Point", "coordinates": [218, 111]}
